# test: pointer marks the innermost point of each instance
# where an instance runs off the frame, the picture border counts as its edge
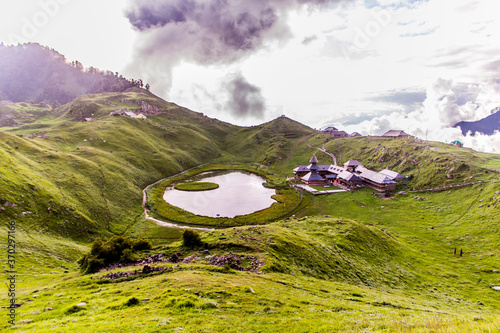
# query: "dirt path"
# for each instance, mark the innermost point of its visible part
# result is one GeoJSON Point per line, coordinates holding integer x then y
{"type": "Point", "coordinates": [164, 223]}
{"type": "Point", "coordinates": [334, 159]}
{"type": "Point", "coordinates": [449, 187]}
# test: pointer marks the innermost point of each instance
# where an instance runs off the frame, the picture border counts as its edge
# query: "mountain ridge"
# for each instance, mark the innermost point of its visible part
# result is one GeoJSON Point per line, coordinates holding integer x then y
{"type": "Point", "coordinates": [34, 73]}
{"type": "Point", "coordinates": [488, 125]}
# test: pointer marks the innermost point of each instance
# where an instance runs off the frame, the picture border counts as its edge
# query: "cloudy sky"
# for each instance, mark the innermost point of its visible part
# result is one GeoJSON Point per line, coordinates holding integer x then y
{"type": "Point", "coordinates": [361, 65]}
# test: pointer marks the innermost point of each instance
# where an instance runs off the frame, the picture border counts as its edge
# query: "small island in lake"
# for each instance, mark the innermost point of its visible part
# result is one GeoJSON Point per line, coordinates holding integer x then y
{"type": "Point", "coordinates": [196, 186]}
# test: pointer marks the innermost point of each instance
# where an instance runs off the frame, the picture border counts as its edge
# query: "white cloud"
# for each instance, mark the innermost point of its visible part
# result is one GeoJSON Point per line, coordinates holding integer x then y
{"type": "Point", "coordinates": [442, 108]}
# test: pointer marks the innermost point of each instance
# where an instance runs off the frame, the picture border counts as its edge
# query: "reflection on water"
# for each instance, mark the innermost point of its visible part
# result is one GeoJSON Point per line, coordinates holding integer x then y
{"type": "Point", "coordinates": [238, 194]}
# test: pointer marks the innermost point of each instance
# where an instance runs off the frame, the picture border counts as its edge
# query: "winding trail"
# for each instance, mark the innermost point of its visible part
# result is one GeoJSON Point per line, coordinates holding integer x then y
{"type": "Point", "coordinates": [449, 187]}
{"type": "Point", "coordinates": [334, 158]}
{"type": "Point", "coordinates": [164, 223]}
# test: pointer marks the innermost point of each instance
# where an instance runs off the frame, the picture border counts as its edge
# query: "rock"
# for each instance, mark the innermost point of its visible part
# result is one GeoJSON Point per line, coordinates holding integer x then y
{"type": "Point", "coordinates": [49, 309]}
{"type": "Point", "coordinates": [174, 258]}
{"type": "Point", "coordinates": [146, 269]}
{"type": "Point", "coordinates": [13, 305]}
{"type": "Point", "coordinates": [82, 304]}
{"type": "Point", "coordinates": [189, 259]}
{"type": "Point", "coordinates": [145, 300]}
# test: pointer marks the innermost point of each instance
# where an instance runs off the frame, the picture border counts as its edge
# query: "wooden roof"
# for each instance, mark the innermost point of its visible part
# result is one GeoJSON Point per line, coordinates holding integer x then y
{"type": "Point", "coordinates": [354, 163]}
{"type": "Point", "coordinates": [376, 177]}
{"type": "Point", "coordinates": [392, 174]}
{"type": "Point", "coordinates": [312, 176]}
{"type": "Point", "coordinates": [395, 133]}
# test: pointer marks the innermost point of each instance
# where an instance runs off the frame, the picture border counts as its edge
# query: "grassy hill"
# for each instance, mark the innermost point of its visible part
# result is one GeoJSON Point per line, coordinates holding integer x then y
{"type": "Point", "coordinates": [345, 262]}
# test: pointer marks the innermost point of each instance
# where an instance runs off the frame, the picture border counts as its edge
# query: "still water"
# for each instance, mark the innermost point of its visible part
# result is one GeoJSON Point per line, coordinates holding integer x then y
{"type": "Point", "coordinates": [239, 193]}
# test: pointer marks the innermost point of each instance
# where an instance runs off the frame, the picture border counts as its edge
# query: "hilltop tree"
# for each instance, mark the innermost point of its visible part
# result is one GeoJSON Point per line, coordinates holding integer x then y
{"type": "Point", "coordinates": [31, 72]}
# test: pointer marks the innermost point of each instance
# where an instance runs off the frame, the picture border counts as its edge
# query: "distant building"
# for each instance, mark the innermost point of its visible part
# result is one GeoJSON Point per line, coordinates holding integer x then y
{"type": "Point", "coordinates": [329, 129]}
{"type": "Point", "coordinates": [354, 134]}
{"type": "Point", "coordinates": [338, 134]}
{"type": "Point", "coordinates": [397, 134]}
{"type": "Point", "coordinates": [457, 143]}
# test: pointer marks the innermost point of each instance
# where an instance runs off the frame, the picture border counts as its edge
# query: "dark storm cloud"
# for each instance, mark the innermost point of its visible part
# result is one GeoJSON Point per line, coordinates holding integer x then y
{"type": "Point", "coordinates": [156, 15]}
{"type": "Point", "coordinates": [217, 21]}
{"type": "Point", "coordinates": [245, 99]}
{"type": "Point", "coordinates": [207, 32]}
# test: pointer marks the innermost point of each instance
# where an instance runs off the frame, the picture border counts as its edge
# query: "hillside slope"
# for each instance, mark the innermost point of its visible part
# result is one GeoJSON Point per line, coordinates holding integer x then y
{"type": "Point", "coordinates": [350, 261]}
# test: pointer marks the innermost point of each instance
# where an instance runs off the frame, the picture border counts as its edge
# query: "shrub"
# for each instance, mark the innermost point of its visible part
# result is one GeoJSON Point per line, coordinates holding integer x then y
{"type": "Point", "coordinates": [131, 301]}
{"type": "Point", "coordinates": [74, 309]}
{"type": "Point", "coordinates": [186, 303]}
{"type": "Point", "coordinates": [119, 249]}
{"type": "Point", "coordinates": [191, 238]}
{"type": "Point", "coordinates": [142, 244]}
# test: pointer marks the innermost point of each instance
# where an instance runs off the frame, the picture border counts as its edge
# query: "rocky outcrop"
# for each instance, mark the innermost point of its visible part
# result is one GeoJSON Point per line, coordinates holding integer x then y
{"type": "Point", "coordinates": [143, 107]}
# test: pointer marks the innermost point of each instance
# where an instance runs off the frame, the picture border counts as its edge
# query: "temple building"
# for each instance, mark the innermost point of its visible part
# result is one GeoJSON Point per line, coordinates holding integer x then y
{"type": "Point", "coordinates": [352, 174]}
{"type": "Point", "coordinates": [312, 177]}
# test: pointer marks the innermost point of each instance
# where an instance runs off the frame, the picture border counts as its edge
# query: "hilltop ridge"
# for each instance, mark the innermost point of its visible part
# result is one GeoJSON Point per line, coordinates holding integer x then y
{"type": "Point", "coordinates": [34, 73]}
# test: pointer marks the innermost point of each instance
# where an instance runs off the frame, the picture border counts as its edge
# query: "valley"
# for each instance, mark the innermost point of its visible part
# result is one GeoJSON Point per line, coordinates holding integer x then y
{"type": "Point", "coordinates": [423, 259]}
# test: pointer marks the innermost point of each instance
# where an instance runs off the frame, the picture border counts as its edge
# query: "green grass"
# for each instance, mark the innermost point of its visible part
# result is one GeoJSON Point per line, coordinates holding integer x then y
{"type": "Point", "coordinates": [297, 291]}
{"type": "Point", "coordinates": [349, 261]}
{"type": "Point", "coordinates": [196, 186]}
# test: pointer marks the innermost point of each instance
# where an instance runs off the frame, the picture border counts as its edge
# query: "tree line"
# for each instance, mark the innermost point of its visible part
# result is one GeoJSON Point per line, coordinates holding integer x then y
{"type": "Point", "coordinates": [34, 73]}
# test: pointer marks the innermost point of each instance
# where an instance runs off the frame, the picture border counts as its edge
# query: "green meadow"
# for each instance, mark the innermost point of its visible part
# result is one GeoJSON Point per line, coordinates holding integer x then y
{"type": "Point", "coordinates": [422, 260]}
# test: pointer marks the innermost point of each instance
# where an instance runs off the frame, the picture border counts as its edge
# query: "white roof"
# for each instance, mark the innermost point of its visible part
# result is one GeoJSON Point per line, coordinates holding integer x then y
{"type": "Point", "coordinates": [336, 169]}
{"type": "Point", "coordinates": [391, 174]}
{"type": "Point", "coordinates": [374, 176]}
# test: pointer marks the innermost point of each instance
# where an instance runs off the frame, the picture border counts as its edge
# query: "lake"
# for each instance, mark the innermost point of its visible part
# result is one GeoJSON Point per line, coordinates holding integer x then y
{"type": "Point", "coordinates": [239, 193]}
